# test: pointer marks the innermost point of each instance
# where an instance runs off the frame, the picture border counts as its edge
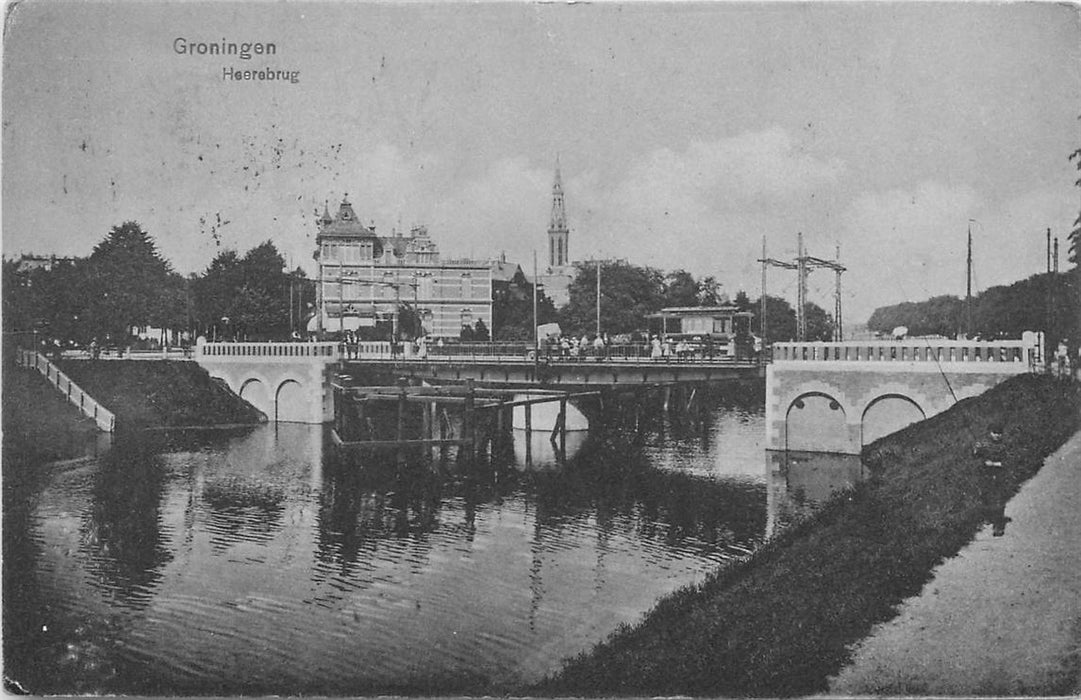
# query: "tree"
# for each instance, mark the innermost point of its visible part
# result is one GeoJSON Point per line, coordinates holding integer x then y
{"type": "Point", "coordinates": [680, 289]}
{"type": "Point", "coordinates": [628, 294]}
{"type": "Point", "coordinates": [709, 292]}
{"type": "Point", "coordinates": [939, 315]}
{"type": "Point", "coordinates": [741, 301]}
{"type": "Point", "coordinates": [125, 280]}
{"type": "Point", "coordinates": [780, 319]}
{"type": "Point", "coordinates": [253, 292]}
{"type": "Point", "coordinates": [819, 323]}
{"type": "Point", "coordinates": [215, 289]}
{"type": "Point", "coordinates": [512, 311]}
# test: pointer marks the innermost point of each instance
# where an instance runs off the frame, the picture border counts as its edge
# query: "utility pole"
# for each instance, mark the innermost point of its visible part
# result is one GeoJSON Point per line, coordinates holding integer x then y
{"type": "Point", "coordinates": [762, 300]}
{"type": "Point", "coordinates": [838, 327]}
{"type": "Point", "coordinates": [1049, 249]}
{"type": "Point", "coordinates": [968, 284]}
{"type": "Point", "coordinates": [1052, 285]}
{"type": "Point", "coordinates": [536, 334]}
{"type": "Point", "coordinates": [766, 262]}
{"type": "Point", "coordinates": [598, 297]}
{"type": "Point", "coordinates": [807, 263]}
{"type": "Point", "coordinates": [801, 290]}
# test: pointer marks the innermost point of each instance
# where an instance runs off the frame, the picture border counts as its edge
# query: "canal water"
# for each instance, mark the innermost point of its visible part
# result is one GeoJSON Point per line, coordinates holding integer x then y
{"type": "Point", "coordinates": [260, 561]}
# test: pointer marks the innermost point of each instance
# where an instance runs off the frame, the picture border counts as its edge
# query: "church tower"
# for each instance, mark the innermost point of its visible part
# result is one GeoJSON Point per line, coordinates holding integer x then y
{"type": "Point", "coordinates": [558, 253]}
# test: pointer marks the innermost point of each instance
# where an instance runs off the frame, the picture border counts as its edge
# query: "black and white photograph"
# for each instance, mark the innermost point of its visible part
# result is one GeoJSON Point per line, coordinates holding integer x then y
{"type": "Point", "coordinates": [541, 349]}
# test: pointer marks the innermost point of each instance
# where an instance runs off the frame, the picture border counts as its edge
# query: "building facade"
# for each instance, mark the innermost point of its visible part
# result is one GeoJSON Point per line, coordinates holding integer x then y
{"type": "Point", "coordinates": [364, 278]}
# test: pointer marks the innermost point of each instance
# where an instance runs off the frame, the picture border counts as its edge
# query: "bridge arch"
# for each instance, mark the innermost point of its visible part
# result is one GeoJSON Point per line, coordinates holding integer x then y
{"type": "Point", "coordinates": [888, 413]}
{"type": "Point", "coordinates": [254, 390]}
{"type": "Point", "coordinates": [816, 421]}
{"type": "Point", "coordinates": [291, 401]}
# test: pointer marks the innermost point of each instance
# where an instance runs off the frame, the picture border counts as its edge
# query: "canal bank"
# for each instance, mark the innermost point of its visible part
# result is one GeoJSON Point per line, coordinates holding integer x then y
{"type": "Point", "coordinates": [166, 393]}
{"type": "Point", "coordinates": [1001, 618]}
{"type": "Point", "coordinates": [784, 621]}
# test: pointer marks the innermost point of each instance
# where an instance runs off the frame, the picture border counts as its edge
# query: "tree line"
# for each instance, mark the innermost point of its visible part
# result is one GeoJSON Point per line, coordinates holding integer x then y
{"type": "Point", "coordinates": [630, 293]}
{"type": "Point", "coordinates": [126, 283]}
{"type": "Point", "coordinates": [1048, 302]}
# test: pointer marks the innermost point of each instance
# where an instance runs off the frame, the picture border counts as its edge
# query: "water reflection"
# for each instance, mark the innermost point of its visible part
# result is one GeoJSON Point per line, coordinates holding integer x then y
{"type": "Point", "coordinates": [799, 482]}
{"type": "Point", "coordinates": [265, 562]}
{"type": "Point", "coordinates": [122, 538]}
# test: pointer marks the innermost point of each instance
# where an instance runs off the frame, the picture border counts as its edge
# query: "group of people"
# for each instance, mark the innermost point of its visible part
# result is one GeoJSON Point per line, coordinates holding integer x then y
{"type": "Point", "coordinates": [663, 348]}
{"type": "Point", "coordinates": [581, 347]}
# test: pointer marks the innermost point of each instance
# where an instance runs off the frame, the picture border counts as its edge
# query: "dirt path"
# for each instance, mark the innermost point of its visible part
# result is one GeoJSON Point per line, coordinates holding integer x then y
{"type": "Point", "coordinates": [1003, 617]}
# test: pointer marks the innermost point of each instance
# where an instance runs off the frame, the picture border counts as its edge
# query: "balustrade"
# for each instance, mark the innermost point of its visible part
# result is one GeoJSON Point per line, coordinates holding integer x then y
{"type": "Point", "coordinates": [940, 351]}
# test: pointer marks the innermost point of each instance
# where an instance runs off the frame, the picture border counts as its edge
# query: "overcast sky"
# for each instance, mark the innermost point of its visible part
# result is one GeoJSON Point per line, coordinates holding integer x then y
{"type": "Point", "coordinates": [686, 133]}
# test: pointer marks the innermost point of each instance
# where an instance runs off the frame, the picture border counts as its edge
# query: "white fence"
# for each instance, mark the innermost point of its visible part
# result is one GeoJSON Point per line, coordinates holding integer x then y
{"type": "Point", "coordinates": [276, 352]}
{"type": "Point", "coordinates": [939, 351]}
{"type": "Point", "coordinates": [267, 351]}
{"type": "Point", "coordinates": [103, 417]}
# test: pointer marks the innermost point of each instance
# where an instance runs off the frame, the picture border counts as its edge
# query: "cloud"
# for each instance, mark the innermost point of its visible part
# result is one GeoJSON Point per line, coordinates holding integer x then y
{"type": "Point", "coordinates": [912, 244]}
{"type": "Point", "coordinates": [905, 245]}
{"type": "Point", "coordinates": [703, 208]}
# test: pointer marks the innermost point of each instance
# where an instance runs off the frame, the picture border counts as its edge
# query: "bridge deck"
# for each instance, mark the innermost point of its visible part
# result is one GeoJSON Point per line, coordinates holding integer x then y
{"type": "Point", "coordinates": [560, 371]}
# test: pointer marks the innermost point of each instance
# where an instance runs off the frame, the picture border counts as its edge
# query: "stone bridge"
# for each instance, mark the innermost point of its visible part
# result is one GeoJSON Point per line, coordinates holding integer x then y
{"type": "Point", "coordinates": [837, 397]}
{"type": "Point", "coordinates": [289, 382]}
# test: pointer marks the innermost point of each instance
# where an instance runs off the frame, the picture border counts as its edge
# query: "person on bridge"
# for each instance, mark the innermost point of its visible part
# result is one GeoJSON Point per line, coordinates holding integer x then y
{"type": "Point", "coordinates": [656, 351]}
{"type": "Point", "coordinates": [991, 459]}
{"type": "Point", "coordinates": [598, 346]}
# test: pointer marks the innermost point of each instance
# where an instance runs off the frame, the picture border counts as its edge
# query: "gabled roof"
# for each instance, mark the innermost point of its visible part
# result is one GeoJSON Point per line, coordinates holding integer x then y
{"type": "Point", "coordinates": [503, 271]}
{"type": "Point", "coordinates": [344, 223]}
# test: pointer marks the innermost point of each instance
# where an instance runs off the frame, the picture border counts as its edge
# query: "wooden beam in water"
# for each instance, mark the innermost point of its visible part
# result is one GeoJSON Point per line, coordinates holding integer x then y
{"type": "Point", "coordinates": [373, 444]}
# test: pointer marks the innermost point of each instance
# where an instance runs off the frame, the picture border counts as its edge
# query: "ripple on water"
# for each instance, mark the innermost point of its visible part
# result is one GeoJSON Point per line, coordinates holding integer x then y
{"type": "Point", "coordinates": [228, 576]}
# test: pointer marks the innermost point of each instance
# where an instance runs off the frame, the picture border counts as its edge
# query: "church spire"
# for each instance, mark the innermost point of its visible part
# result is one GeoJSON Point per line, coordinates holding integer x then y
{"type": "Point", "coordinates": [558, 233]}
{"type": "Point", "coordinates": [559, 214]}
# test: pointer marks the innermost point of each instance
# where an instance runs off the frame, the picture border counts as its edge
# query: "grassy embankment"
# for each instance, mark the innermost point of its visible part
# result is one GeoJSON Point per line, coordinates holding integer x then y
{"type": "Point", "coordinates": [38, 423]}
{"type": "Point", "coordinates": [150, 394]}
{"type": "Point", "coordinates": [779, 624]}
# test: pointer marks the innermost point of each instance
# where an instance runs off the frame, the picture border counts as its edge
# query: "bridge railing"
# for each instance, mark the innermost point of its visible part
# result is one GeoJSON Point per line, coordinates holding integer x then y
{"type": "Point", "coordinates": [267, 351]}
{"type": "Point", "coordinates": [626, 352]}
{"type": "Point", "coordinates": [103, 417]}
{"type": "Point", "coordinates": [940, 351]}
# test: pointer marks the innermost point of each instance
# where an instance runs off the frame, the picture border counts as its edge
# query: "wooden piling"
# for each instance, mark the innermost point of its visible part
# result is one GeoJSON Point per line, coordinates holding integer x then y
{"type": "Point", "coordinates": [468, 427]}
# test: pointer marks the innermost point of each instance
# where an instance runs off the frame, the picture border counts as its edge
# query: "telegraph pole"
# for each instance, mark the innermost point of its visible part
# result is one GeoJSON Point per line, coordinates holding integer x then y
{"type": "Point", "coordinates": [968, 284]}
{"type": "Point", "coordinates": [766, 262]}
{"type": "Point", "coordinates": [536, 334]}
{"type": "Point", "coordinates": [762, 301]}
{"type": "Point", "coordinates": [838, 327]}
{"type": "Point", "coordinates": [801, 290]}
{"type": "Point", "coordinates": [598, 297]}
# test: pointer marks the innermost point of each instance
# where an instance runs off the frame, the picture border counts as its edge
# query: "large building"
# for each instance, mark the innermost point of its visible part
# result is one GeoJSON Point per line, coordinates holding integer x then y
{"type": "Point", "coordinates": [556, 278]}
{"type": "Point", "coordinates": [364, 277]}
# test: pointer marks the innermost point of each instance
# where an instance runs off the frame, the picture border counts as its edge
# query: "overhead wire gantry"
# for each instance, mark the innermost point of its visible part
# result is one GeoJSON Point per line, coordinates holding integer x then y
{"type": "Point", "coordinates": [803, 264]}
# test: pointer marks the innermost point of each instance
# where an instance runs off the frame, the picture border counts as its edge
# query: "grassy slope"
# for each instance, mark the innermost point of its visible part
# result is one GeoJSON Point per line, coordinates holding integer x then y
{"type": "Point", "coordinates": [779, 624]}
{"type": "Point", "coordinates": [38, 423]}
{"type": "Point", "coordinates": [144, 393]}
